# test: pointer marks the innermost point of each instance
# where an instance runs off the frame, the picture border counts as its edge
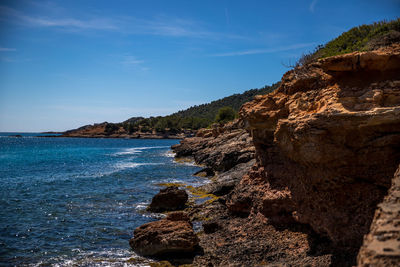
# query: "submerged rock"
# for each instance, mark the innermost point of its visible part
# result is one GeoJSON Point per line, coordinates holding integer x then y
{"type": "Point", "coordinates": [169, 199]}
{"type": "Point", "coordinates": [171, 235]}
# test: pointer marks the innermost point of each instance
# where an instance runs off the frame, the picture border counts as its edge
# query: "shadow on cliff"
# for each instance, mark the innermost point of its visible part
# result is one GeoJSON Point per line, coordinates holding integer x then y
{"type": "Point", "coordinates": [177, 259]}
{"type": "Point", "coordinates": [318, 245]}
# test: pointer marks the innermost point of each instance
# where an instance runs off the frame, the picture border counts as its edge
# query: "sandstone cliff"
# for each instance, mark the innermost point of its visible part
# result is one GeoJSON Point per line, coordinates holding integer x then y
{"type": "Point", "coordinates": [326, 143]}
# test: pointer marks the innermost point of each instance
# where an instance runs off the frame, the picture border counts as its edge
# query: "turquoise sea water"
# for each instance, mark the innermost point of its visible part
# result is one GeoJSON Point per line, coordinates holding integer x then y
{"type": "Point", "coordinates": [75, 202]}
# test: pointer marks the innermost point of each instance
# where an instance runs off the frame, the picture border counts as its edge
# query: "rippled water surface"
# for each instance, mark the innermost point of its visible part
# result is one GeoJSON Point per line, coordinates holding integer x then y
{"type": "Point", "coordinates": [76, 201]}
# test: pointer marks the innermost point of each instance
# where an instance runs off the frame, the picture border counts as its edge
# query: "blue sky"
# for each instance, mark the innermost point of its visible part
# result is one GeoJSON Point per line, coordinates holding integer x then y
{"type": "Point", "coordinates": [64, 64]}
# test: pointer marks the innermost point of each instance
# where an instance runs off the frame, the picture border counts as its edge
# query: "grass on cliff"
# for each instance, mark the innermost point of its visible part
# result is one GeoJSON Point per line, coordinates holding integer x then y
{"type": "Point", "coordinates": [361, 38]}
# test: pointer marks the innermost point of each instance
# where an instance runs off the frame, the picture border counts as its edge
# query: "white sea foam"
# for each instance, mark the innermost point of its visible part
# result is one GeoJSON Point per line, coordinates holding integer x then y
{"type": "Point", "coordinates": [151, 147]}
{"type": "Point", "coordinates": [141, 205]}
{"type": "Point", "coordinates": [128, 151]}
{"type": "Point", "coordinates": [111, 257]}
{"type": "Point", "coordinates": [129, 165]}
{"type": "Point", "coordinates": [137, 150]}
{"type": "Point", "coordinates": [191, 163]}
{"type": "Point", "coordinates": [169, 154]}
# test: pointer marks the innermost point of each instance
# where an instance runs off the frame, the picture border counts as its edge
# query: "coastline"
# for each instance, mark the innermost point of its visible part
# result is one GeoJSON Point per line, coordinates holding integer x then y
{"type": "Point", "coordinates": [306, 176]}
{"type": "Point", "coordinates": [117, 137]}
{"type": "Point", "coordinates": [81, 184]}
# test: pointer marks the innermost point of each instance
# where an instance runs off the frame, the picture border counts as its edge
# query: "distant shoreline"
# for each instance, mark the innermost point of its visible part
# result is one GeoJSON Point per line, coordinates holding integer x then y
{"type": "Point", "coordinates": [157, 137]}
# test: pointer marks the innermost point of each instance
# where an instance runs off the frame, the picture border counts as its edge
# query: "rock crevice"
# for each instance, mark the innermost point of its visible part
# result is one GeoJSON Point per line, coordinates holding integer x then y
{"type": "Point", "coordinates": [327, 143]}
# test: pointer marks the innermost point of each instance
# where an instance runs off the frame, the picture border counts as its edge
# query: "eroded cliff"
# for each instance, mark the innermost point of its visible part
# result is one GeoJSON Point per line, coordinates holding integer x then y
{"type": "Point", "coordinates": [300, 175]}
{"type": "Point", "coordinates": [327, 144]}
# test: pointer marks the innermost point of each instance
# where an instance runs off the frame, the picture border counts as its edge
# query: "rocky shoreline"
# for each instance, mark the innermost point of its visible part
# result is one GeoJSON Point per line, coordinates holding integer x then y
{"type": "Point", "coordinates": [297, 180]}
{"type": "Point", "coordinates": [123, 136]}
{"type": "Point", "coordinates": [100, 130]}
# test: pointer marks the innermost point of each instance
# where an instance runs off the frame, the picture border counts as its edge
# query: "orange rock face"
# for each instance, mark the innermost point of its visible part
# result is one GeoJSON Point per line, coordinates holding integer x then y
{"type": "Point", "coordinates": [327, 144]}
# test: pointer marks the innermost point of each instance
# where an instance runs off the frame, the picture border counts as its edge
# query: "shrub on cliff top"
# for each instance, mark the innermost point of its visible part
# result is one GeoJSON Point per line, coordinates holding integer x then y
{"type": "Point", "coordinates": [361, 38]}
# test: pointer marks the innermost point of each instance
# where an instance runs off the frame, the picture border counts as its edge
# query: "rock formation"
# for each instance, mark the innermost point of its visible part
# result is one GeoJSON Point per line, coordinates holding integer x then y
{"type": "Point", "coordinates": [301, 186]}
{"type": "Point", "coordinates": [327, 144]}
{"type": "Point", "coordinates": [173, 234]}
{"type": "Point", "coordinates": [226, 152]}
{"type": "Point", "coordinates": [225, 147]}
{"type": "Point", "coordinates": [169, 199]}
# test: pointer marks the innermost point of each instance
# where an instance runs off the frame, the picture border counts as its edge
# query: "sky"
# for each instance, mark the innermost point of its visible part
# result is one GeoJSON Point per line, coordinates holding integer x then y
{"type": "Point", "coordinates": [64, 64]}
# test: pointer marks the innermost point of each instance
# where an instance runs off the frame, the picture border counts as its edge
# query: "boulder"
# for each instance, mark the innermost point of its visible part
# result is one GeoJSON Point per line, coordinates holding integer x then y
{"type": "Point", "coordinates": [178, 216]}
{"type": "Point", "coordinates": [172, 235]}
{"type": "Point", "coordinates": [169, 199]}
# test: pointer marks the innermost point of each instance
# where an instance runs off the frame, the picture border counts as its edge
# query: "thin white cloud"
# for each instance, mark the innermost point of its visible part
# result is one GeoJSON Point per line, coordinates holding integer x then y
{"type": "Point", "coordinates": [95, 24]}
{"type": "Point", "coordinates": [42, 21]}
{"type": "Point", "coordinates": [160, 26]}
{"type": "Point", "coordinates": [5, 49]}
{"type": "Point", "coordinates": [263, 51]}
{"type": "Point", "coordinates": [312, 5]}
{"type": "Point", "coordinates": [170, 27]}
{"type": "Point", "coordinates": [131, 60]}
{"type": "Point", "coordinates": [134, 62]}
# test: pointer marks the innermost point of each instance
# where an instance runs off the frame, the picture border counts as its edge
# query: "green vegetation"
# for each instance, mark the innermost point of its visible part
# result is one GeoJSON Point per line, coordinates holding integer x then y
{"type": "Point", "coordinates": [193, 118]}
{"type": "Point", "coordinates": [225, 114]}
{"type": "Point", "coordinates": [361, 38]}
{"type": "Point", "coordinates": [111, 127]}
{"type": "Point", "coordinates": [209, 111]}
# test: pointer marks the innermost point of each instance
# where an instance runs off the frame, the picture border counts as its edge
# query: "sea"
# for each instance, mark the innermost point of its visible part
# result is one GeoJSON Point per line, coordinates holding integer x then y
{"type": "Point", "coordinates": [76, 201]}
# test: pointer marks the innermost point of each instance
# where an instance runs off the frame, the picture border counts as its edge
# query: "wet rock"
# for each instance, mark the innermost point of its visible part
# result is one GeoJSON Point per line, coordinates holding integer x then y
{"type": "Point", "coordinates": [173, 235]}
{"type": "Point", "coordinates": [169, 199]}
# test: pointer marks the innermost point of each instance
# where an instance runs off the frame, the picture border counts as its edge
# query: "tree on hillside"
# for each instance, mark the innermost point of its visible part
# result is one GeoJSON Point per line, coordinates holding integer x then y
{"type": "Point", "coordinates": [225, 114]}
{"type": "Point", "coordinates": [111, 128]}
